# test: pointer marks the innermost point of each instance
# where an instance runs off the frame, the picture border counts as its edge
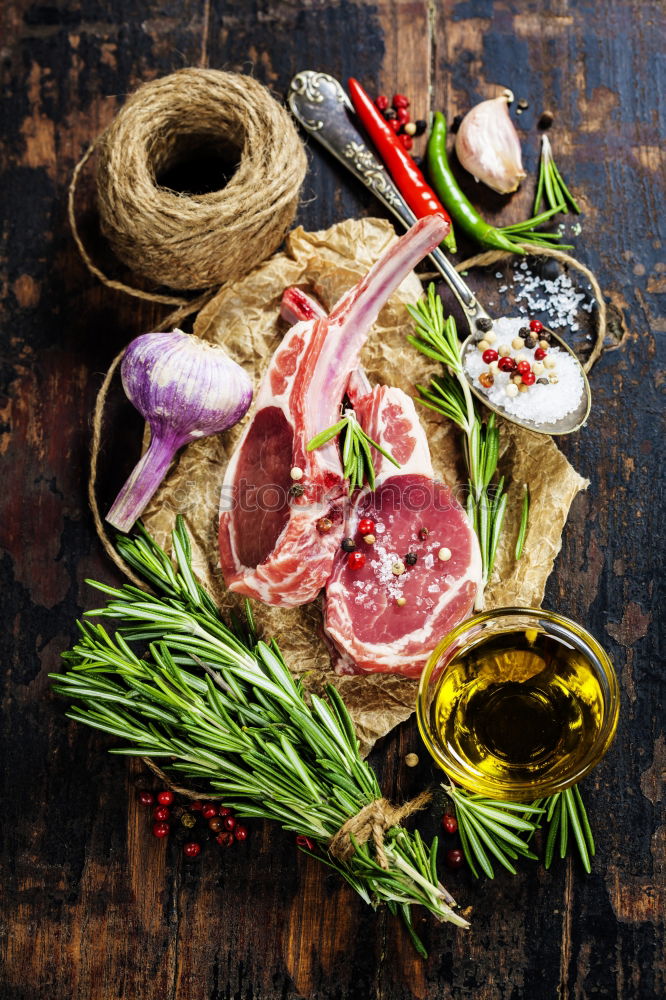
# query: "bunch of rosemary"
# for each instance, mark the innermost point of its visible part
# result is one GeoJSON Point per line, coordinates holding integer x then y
{"type": "Point", "coordinates": [450, 394]}
{"type": "Point", "coordinates": [219, 706]}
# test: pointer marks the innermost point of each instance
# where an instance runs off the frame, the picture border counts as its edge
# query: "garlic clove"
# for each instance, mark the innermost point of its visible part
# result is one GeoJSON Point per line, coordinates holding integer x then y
{"type": "Point", "coordinates": [487, 145]}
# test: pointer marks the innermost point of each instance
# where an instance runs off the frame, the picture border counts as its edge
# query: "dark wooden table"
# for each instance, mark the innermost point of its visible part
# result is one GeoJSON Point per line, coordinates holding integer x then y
{"type": "Point", "coordinates": [92, 905]}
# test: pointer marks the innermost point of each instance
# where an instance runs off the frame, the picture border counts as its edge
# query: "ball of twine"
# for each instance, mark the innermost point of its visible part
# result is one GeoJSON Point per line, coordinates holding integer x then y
{"type": "Point", "coordinates": [193, 241]}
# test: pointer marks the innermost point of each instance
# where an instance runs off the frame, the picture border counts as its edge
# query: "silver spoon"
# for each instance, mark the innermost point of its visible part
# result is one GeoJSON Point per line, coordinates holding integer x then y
{"type": "Point", "coordinates": [319, 102]}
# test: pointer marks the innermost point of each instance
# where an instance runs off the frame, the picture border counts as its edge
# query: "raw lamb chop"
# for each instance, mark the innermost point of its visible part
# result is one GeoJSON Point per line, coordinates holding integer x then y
{"type": "Point", "coordinates": [276, 543]}
{"type": "Point", "coordinates": [377, 619]}
{"type": "Point", "coordinates": [365, 617]}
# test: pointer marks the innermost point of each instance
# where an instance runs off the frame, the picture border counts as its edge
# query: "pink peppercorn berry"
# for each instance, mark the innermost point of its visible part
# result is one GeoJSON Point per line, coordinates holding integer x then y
{"type": "Point", "coordinates": [161, 830]}
{"type": "Point", "coordinates": [402, 114]}
{"type": "Point", "coordinates": [506, 364]}
{"type": "Point", "coordinates": [191, 849]}
{"type": "Point", "coordinates": [407, 142]}
{"type": "Point", "coordinates": [165, 798]}
{"type": "Point", "coordinates": [208, 810]}
{"type": "Point", "coordinates": [529, 378]}
{"type": "Point", "coordinates": [454, 859]}
{"type": "Point", "coordinates": [490, 355]}
{"type": "Point", "coordinates": [240, 832]}
{"type": "Point", "coordinates": [356, 560]}
{"type": "Point", "coordinates": [161, 814]}
{"type": "Point", "coordinates": [225, 839]}
{"type": "Point", "coordinates": [449, 823]}
{"type": "Point", "coordinates": [539, 354]}
{"type": "Point", "coordinates": [381, 102]}
{"type": "Point", "coordinates": [146, 798]}
{"type": "Point", "coordinates": [523, 367]}
{"type": "Point", "coordinates": [399, 101]}
{"type": "Point", "coordinates": [536, 326]}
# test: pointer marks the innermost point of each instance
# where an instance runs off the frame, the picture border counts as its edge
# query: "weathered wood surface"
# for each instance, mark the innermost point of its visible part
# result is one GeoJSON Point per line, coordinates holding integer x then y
{"type": "Point", "coordinates": [92, 906]}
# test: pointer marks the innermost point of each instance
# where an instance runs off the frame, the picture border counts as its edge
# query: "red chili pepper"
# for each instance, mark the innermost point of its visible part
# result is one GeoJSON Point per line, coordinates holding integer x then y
{"type": "Point", "coordinates": [410, 181]}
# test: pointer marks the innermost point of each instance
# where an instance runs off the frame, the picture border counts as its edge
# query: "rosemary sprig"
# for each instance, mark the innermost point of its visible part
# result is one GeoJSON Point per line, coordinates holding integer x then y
{"type": "Point", "coordinates": [450, 394]}
{"type": "Point", "coordinates": [355, 445]}
{"type": "Point", "coordinates": [174, 681]}
{"type": "Point", "coordinates": [489, 827]}
{"type": "Point", "coordinates": [566, 809]}
{"type": "Point", "coordinates": [524, 516]}
{"type": "Point", "coordinates": [551, 188]}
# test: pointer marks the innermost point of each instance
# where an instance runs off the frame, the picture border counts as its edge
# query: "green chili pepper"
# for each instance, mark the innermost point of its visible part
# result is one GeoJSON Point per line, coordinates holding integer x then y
{"type": "Point", "coordinates": [511, 239]}
{"type": "Point", "coordinates": [461, 210]}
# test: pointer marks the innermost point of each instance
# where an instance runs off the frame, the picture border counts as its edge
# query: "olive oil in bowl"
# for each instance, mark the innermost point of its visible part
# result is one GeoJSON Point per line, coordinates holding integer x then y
{"type": "Point", "coordinates": [518, 703]}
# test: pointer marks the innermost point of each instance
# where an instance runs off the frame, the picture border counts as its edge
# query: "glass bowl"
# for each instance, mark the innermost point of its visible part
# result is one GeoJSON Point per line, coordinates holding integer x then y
{"type": "Point", "coordinates": [519, 678]}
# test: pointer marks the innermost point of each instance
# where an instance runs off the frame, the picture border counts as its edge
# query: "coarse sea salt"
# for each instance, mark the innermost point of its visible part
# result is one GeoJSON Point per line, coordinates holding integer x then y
{"type": "Point", "coordinates": [541, 403]}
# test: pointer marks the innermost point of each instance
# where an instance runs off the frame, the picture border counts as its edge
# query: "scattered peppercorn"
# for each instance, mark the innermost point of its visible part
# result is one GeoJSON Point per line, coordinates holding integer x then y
{"type": "Point", "coordinates": [398, 567]}
{"type": "Point", "coordinates": [546, 120]}
{"type": "Point", "coordinates": [530, 343]}
{"type": "Point", "coordinates": [369, 539]}
{"type": "Point", "coordinates": [161, 830]}
{"type": "Point", "coordinates": [421, 126]}
{"type": "Point", "coordinates": [444, 554]}
{"type": "Point", "coordinates": [188, 820]}
{"type": "Point", "coordinates": [400, 101]}
{"type": "Point", "coordinates": [324, 525]}
{"type": "Point", "coordinates": [401, 601]}
{"type": "Point", "coordinates": [225, 839]}
{"type": "Point", "coordinates": [240, 833]}
{"type": "Point", "coordinates": [224, 811]}
{"type": "Point", "coordinates": [146, 798]}
{"type": "Point", "coordinates": [484, 323]}
{"type": "Point", "coordinates": [542, 381]}
{"type": "Point", "coordinates": [410, 559]}
{"type": "Point", "coordinates": [216, 824]}
{"type": "Point", "coordinates": [423, 533]}
{"type": "Point", "coordinates": [529, 378]}
{"type": "Point", "coordinates": [449, 823]}
{"type": "Point", "coordinates": [191, 849]}
{"type": "Point", "coordinates": [407, 142]}
{"type": "Point", "coordinates": [297, 490]}
{"type": "Point", "coordinates": [356, 560]}
{"type": "Point", "coordinates": [523, 105]}
{"type": "Point", "coordinates": [454, 859]}
{"type": "Point", "coordinates": [381, 102]}
{"type": "Point", "coordinates": [523, 367]}
{"type": "Point", "coordinates": [539, 354]}
{"type": "Point", "coordinates": [390, 114]}
{"type": "Point", "coordinates": [489, 355]}
{"type": "Point", "coordinates": [161, 814]}
{"type": "Point", "coordinates": [208, 810]}
{"type": "Point", "coordinates": [409, 128]}
{"type": "Point", "coordinates": [229, 822]}
{"type": "Point", "coordinates": [524, 332]}
{"type": "Point", "coordinates": [536, 326]}
{"type": "Point", "coordinates": [403, 116]}
{"type": "Point", "coordinates": [487, 379]}
{"type": "Point", "coordinates": [506, 364]}
{"type": "Point", "coordinates": [196, 806]}
{"type": "Point", "coordinates": [411, 759]}
{"type": "Point", "coordinates": [165, 798]}
{"type": "Point", "coordinates": [348, 544]}
{"type": "Point", "coordinates": [366, 525]}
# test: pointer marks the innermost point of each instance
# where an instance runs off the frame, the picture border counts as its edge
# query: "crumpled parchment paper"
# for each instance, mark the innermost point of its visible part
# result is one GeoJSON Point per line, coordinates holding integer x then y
{"type": "Point", "coordinates": [244, 318]}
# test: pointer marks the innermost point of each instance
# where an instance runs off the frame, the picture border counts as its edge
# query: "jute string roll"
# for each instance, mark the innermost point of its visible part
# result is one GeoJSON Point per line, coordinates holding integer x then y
{"type": "Point", "coordinates": [194, 241]}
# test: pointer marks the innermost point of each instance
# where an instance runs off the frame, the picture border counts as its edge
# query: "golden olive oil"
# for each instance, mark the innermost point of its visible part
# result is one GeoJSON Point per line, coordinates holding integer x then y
{"type": "Point", "coordinates": [518, 706]}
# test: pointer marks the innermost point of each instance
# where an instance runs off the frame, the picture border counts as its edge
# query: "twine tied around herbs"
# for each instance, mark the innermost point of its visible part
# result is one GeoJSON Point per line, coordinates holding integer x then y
{"type": "Point", "coordinates": [184, 240]}
{"type": "Point", "coordinates": [370, 823]}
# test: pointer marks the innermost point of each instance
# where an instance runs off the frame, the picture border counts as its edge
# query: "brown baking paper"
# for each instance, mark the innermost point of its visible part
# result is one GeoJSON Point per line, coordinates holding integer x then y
{"type": "Point", "coordinates": [244, 318]}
